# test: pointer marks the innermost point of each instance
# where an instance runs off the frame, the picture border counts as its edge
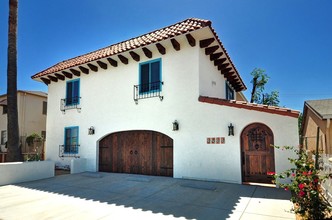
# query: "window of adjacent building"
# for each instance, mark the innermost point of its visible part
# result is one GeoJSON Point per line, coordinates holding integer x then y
{"type": "Point", "coordinates": [43, 134]}
{"type": "Point", "coordinates": [150, 76]}
{"type": "Point", "coordinates": [71, 140]}
{"type": "Point", "coordinates": [4, 109]}
{"type": "Point", "coordinates": [229, 92]}
{"type": "Point", "coordinates": [44, 108]}
{"type": "Point", "coordinates": [3, 137]}
{"type": "Point", "coordinates": [73, 92]}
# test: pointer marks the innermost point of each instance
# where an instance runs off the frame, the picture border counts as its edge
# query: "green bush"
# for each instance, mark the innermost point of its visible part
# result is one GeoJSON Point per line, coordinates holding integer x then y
{"type": "Point", "coordinates": [33, 137]}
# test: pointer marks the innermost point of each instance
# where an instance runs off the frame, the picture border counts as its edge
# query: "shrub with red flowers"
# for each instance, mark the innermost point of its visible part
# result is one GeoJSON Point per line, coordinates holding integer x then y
{"type": "Point", "coordinates": [305, 186]}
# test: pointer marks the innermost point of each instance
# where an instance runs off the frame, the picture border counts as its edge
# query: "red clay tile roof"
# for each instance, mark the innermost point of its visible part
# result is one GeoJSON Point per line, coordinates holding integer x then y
{"type": "Point", "coordinates": [251, 106]}
{"type": "Point", "coordinates": [171, 31]}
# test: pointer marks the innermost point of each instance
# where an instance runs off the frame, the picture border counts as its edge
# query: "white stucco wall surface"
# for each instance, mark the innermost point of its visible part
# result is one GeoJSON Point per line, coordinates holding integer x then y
{"type": "Point", "coordinates": [18, 172]}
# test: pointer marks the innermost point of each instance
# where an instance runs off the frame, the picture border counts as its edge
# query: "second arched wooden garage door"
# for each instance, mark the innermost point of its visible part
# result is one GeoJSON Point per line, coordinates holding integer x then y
{"type": "Point", "coordinates": [137, 152]}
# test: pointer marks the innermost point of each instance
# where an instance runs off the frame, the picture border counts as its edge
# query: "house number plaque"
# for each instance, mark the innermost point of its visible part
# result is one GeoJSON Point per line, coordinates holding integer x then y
{"type": "Point", "coordinates": [215, 140]}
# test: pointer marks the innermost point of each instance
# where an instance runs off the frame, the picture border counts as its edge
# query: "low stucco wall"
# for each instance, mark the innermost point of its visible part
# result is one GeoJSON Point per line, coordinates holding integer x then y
{"type": "Point", "coordinates": [78, 165]}
{"type": "Point", "coordinates": [18, 172]}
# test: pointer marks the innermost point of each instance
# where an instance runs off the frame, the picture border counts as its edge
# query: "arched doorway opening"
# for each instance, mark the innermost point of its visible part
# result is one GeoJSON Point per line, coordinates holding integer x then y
{"type": "Point", "coordinates": [257, 153]}
{"type": "Point", "coordinates": [138, 152]}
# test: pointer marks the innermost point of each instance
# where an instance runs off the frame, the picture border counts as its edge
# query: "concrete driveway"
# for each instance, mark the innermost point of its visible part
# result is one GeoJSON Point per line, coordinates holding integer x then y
{"type": "Point", "coordinates": [128, 196]}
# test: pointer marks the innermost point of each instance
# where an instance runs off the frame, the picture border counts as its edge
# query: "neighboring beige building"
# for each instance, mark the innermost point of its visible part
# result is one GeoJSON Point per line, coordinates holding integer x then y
{"type": "Point", "coordinates": [32, 110]}
{"type": "Point", "coordinates": [317, 113]}
{"type": "Point", "coordinates": [240, 97]}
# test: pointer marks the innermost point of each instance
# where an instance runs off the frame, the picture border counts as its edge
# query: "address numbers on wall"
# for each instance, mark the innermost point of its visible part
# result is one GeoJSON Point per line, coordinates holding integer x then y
{"type": "Point", "coordinates": [215, 140]}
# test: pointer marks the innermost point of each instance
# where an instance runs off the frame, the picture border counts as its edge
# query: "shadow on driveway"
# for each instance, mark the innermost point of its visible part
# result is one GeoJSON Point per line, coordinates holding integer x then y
{"type": "Point", "coordinates": [128, 196]}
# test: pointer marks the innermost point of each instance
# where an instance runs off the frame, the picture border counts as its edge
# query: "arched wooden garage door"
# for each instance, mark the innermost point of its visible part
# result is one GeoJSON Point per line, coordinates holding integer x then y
{"type": "Point", "coordinates": [138, 152]}
{"type": "Point", "coordinates": [257, 153]}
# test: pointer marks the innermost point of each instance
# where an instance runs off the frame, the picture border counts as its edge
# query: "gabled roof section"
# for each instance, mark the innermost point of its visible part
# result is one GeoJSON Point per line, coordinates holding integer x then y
{"type": "Point", "coordinates": [251, 106]}
{"type": "Point", "coordinates": [322, 108]}
{"type": "Point", "coordinates": [3, 102]}
{"type": "Point", "coordinates": [115, 53]}
{"type": "Point", "coordinates": [36, 93]}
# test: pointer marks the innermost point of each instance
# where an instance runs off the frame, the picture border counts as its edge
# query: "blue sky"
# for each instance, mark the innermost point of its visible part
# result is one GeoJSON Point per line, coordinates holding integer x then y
{"type": "Point", "coordinates": [290, 39]}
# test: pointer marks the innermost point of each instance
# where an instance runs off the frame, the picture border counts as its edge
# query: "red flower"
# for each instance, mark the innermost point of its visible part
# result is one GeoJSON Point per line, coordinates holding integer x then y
{"type": "Point", "coordinates": [301, 193]}
{"type": "Point", "coordinates": [286, 188]}
{"type": "Point", "coordinates": [293, 174]}
{"type": "Point", "coordinates": [309, 173]}
{"type": "Point", "coordinates": [301, 186]}
{"type": "Point", "coordinates": [270, 173]}
{"type": "Point", "coordinates": [305, 173]}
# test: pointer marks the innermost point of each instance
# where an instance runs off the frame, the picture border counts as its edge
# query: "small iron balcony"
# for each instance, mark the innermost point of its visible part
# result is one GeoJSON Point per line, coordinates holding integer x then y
{"type": "Point", "coordinates": [69, 151]}
{"type": "Point", "coordinates": [70, 103]}
{"type": "Point", "coordinates": [149, 90]}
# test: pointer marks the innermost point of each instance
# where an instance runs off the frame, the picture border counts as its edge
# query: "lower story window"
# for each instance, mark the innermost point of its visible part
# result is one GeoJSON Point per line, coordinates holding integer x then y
{"type": "Point", "coordinates": [71, 140]}
{"type": "Point", "coordinates": [3, 137]}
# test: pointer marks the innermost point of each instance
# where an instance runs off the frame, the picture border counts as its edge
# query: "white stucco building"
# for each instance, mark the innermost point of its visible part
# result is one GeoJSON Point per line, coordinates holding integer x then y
{"type": "Point", "coordinates": [162, 104]}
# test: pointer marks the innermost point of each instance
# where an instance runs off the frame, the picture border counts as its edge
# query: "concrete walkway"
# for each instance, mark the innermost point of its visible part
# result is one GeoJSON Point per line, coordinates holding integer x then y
{"type": "Point", "coordinates": [127, 196]}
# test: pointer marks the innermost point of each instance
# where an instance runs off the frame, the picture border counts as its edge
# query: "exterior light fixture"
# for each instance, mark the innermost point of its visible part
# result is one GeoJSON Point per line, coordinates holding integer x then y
{"type": "Point", "coordinates": [230, 130]}
{"type": "Point", "coordinates": [91, 130]}
{"type": "Point", "coordinates": [175, 125]}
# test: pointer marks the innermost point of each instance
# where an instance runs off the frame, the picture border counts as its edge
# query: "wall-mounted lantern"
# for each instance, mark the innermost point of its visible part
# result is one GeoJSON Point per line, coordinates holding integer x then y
{"type": "Point", "coordinates": [230, 130]}
{"type": "Point", "coordinates": [91, 130]}
{"type": "Point", "coordinates": [175, 125]}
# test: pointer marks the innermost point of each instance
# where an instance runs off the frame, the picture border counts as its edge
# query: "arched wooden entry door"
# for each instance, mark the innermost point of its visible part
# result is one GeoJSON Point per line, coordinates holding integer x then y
{"type": "Point", "coordinates": [138, 152]}
{"type": "Point", "coordinates": [257, 153]}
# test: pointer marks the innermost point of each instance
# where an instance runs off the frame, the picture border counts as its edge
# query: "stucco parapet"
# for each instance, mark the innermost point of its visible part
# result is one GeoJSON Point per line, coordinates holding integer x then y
{"type": "Point", "coordinates": [251, 106]}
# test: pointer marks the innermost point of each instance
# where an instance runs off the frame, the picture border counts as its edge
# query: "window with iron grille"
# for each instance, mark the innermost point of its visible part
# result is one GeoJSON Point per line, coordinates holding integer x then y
{"type": "Point", "coordinates": [150, 76]}
{"type": "Point", "coordinates": [71, 140]}
{"type": "Point", "coordinates": [73, 92]}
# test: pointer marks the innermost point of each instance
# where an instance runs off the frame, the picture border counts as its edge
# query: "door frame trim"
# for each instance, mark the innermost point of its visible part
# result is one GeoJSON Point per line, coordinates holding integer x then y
{"type": "Point", "coordinates": [241, 146]}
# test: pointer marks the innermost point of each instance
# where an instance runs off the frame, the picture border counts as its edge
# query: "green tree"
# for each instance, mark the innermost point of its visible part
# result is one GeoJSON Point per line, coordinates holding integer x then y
{"type": "Point", "coordinates": [260, 79]}
{"type": "Point", "coordinates": [14, 150]}
{"type": "Point", "coordinates": [270, 98]}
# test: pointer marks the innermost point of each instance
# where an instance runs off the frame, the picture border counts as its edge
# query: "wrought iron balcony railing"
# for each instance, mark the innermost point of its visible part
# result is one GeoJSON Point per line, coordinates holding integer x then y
{"type": "Point", "coordinates": [149, 90]}
{"type": "Point", "coordinates": [70, 103]}
{"type": "Point", "coordinates": [69, 151]}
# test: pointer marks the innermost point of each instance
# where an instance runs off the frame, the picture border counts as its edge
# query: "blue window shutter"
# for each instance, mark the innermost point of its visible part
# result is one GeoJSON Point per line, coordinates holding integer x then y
{"type": "Point", "coordinates": [67, 139]}
{"type": "Point", "coordinates": [144, 78]}
{"type": "Point", "coordinates": [155, 75]}
{"type": "Point", "coordinates": [69, 92]}
{"type": "Point", "coordinates": [76, 90]}
{"type": "Point", "coordinates": [73, 92]}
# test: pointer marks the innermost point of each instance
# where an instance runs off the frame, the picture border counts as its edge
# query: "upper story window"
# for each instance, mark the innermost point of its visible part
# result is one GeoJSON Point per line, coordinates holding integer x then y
{"type": "Point", "coordinates": [73, 92]}
{"type": "Point", "coordinates": [72, 100]}
{"type": "Point", "coordinates": [150, 76]}
{"type": "Point", "coordinates": [4, 109]}
{"type": "Point", "coordinates": [44, 111]}
{"type": "Point", "coordinates": [229, 92]}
